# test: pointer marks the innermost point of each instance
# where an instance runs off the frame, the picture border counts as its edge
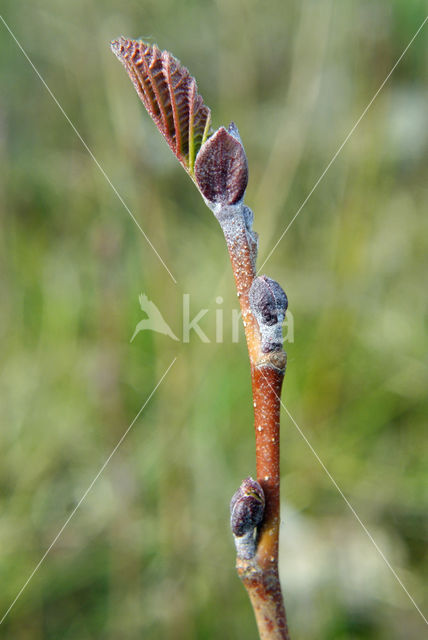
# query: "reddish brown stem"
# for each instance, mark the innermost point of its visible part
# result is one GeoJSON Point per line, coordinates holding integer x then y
{"type": "Point", "coordinates": [260, 573]}
{"type": "Point", "coordinates": [244, 272]}
{"type": "Point", "coordinates": [267, 383]}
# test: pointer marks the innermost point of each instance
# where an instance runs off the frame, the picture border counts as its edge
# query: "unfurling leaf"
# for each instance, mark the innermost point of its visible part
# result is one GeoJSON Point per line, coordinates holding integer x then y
{"type": "Point", "coordinates": [170, 95]}
{"type": "Point", "coordinates": [221, 169]}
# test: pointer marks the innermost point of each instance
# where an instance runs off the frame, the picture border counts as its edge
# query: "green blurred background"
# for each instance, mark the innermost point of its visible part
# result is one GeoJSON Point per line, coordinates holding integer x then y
{"type": "Point", "coordinates": [149, 554]}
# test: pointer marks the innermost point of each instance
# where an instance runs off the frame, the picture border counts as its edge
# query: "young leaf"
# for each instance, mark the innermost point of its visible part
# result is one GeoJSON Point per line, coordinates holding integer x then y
{"type": "Point", "coordinates": [170, 95]}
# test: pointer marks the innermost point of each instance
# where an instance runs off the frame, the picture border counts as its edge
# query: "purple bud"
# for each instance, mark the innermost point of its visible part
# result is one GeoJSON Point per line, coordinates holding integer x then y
{"type": "Point", "coordinates": [247, 507]}
{"type": "Point", "coordinates": [221, 169]}
{"type": "Point", "coordinates": [267, 300]}
{"type": "Point", "coordinates": [268, 303]}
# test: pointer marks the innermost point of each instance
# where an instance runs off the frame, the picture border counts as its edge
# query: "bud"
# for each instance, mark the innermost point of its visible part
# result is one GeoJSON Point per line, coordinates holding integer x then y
{"type": "Point", "coordinates": [268, 301]}
{"type": "Point", "coordinates": [247, 507]}
{"type": "Point", "coordinates": [221, 169]}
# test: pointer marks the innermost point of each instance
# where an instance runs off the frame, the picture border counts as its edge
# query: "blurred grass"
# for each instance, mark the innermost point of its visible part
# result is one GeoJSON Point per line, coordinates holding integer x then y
{"type": "Point", "coordinates": [149, 554]}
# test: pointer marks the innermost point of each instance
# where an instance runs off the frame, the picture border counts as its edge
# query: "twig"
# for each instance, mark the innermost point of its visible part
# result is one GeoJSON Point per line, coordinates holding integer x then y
{"type": "Point", "coordinates": [217, 163]}
{"type": "Point", "coordinates": [258, 570]}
